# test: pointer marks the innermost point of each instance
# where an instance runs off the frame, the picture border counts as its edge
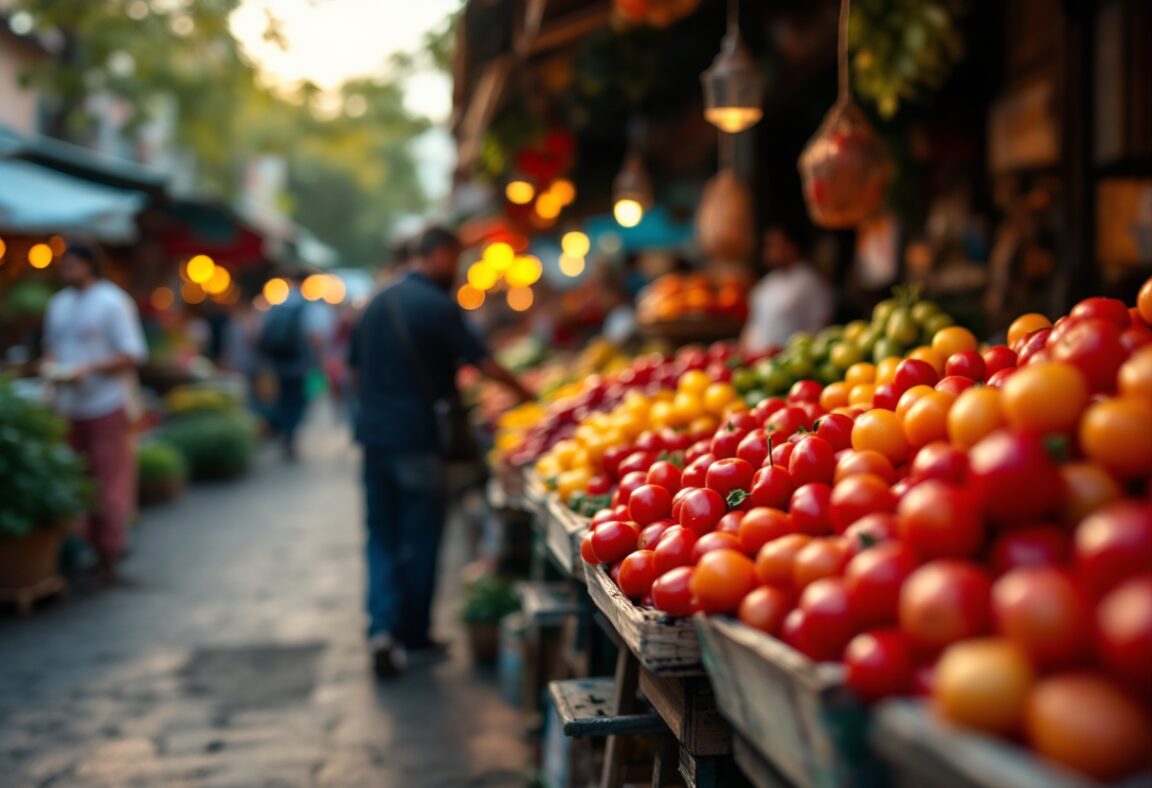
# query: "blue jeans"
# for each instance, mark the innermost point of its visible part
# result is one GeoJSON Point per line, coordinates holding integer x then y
{"type": "Point", "coordinates": [406, 506]}
{"type": "Point", "coordinates": [290, 406]}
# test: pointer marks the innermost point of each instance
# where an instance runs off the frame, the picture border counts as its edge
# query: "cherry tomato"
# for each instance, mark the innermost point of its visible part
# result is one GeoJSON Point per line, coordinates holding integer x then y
{"type": "Point", "coordinates": [730, 523]}
{"type": "Point", "coordinates": [722, 579]}
{"type": "Point", "coordinates": [765, 609]}
{"type": "Point", "coordinates": [714, 541]}
{"type": "Point", "coordinates": [796, 632]}
{"type": "Point", "coordinates": [775, 560]}
{"type": "Point", "coordinates": [945, 601]}
{"type": "Point", "coordinates": [1045, 397]}
{"type": "Point", "coordinates": [629, 483]}
{"type": "Point", "coordinates": [678, 502]}
{"type": "Point", "coordinates": [742, 422]}
{"type": "Point", "coordinates": [881, 431]}
{"type": "Point", "coordinates": [637, 574]}
{"type": "Point", "coordinates": [760, 526]}
{"type": "Point", "coordinates": [805, 391]}
{"type": "Point", "coordinates": [941, 520]}
{"type": "Point", "coordinates": [702, 510]}
{"type": "Point", "coordinates": [754, 448]}
{"type": "Point", "coordinates": [879, 664]}
{"type": "Point", "coordinates": [1113, 544]}
{"type": "Point", "coordinates": [966, 364]}
{"type": "Point", "coordinates": [674, 548]}
{"type": "Point", "coordinates": [610, 461]}
{"type": "Point", "coordinates": [983, 684]}
{"type": "Point", "coordinates": [696, 472]}
{"type": "Point", "coordinates": [997, 379]}
{"type": "Point", "coordinates": [910, 398]}
{"type": "Point", "coordinates": [698, 450]}
{"type": "Point", "coordinates": [871, 530]}
{"type": "Point", "coordinates": [853, 462]}
{"type": "Point", "coordinates": [613, 540]}
{"type": "Point", "coordinates": [856, 497]}
{"type": "Point", "coordinates": [941, 461]}
{"type": "Point", "coordinates": [828, 615]}
{"type": "Point", "coordinates": [975, 414]}
{"type": "Point", "coordinates": [914, 372]}
{"type": "Point", "coordinates": [836, 429]}
{"type": "Point", "coordinates": [812, 412]}
{"type": "Point", "coordinates": [927, 420]}
{"type": "Point", "coordinates": [996, 358]}
{"type": "Point", "coordinates": [586, 550]}
{"type": "Point", "coordinates": [604, 515]}
{"type": "Point", "coordinates": [1094, 347]}
{"type": "Point", "coordinates": [1133, 339]}
{"type": "Point", "coordinates": [782, 453]}
{"type": "Point", "coordinates": [772, 486]}
{"type": "Point", "coordinates": [1112, 310]}
{"type": "Point", "coordinates": [1124, 630]}
{"type": "Point", "coordinates": [649, 503]}
{"type": "Point", "coordinates": [726, 442]}
{"type": "Point", "coordinates": [1040, 609]}
{"type": "Point", "coordinates": [809, 509]}
{"type": "Point", "coordinates": [728, 475]}
{"type": "Point", "coordinates": [639, 461]}
{"type": "Point", "coordinates": [954, 385]}
{"type": "Point", "coordinates": [1014, 477]}
{"type": "Point", "coordinates": [813, 460]}
{"type": "Point", "coordinates": [1135, 378]}
{"type": "Point", "coordinates": [1030, 546]}
{"type": "Point", "coordinates": [665, 474]}
{"type": "Point", "coordinates": [766, 408]}
{"type": "Point", "coordinates": [823, 557]}
{"type": "Point", "coordinates": [783, 423]}
{"type": "Point", "coordinates": [1034, 348]}
{"type": "Point", "coordinates": [874, 578]}
{"type": "Point", "coordinates": [885, 397]}
{"type": "Point", "coordinates": [672, 592]}
{"type": "Point", "coordinates": [650, 535]}
{"type": "Point", "coordinates": [1117, 433]}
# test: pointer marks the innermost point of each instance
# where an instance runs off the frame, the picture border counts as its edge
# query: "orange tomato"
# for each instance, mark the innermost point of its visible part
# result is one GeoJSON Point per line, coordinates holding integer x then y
{"type": "Point", "coordinates": [927, 419]}
{"type": "Point", "coordinates": [722, 579]}
{"type": "Point", "coordinates": [977, 412]}
{"type": "Point", "coordinates": [862, 372]}
{"type": "Point", "coordinates": [1144, 301]}
{"type": "Point", "coordinates": [1045, 397]}
{"type": "Point", "coordinates": [930, 356]}
{"type": "Point", "coordinates": [953, 339]}
{"type": "Point", "coordinates": [910, 397]}
{"type": "Point", "coordinates": [886, 370]}
{"type": "Point", "coordinates": [854, 462]}
{"type": "Point", "coordinates": [717, 397]}
{"type": "Point", "coordinates": [881, 431]}
{"type": "Point", "coordinates": [1025, 325]}
{"type": "Point", "coordinates": [861, 395]}
{"type": "Point", "coordinates": [694, 381]}
{"type": "Point", "coordinates": [1135, 378]}
{"type": "Point", "coordinates": [661, 414]}
{"type": "Point", "coordinates": [983, 684]}
{"type": "Point", "coordinates": [1117, 433]}
{"type": "Point", "coordinates": [1087, 487]}
{"type": "Point", "coordinates": [835, 395]}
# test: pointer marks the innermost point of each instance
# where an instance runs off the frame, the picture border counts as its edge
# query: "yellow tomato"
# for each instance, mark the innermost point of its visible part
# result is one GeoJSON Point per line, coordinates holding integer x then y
{"type": "Point", "coordinates": [717, 397]}
{"type": "Point", "coordinates": [881, 431]}
{"type": "Point", "coordinates": [976, 413]}
{"type": "Point", "coordinates": [861, 395]}
{"type": "Point", "coordinates": [863, 372]}
{"type": "Point", "coordinates": [910, 397]}
{"type": "Point", "coordinates": [703, 425]}
{"type": "Point", "coordinates": [694, 381]}
{"type": "Point", "coordinates": [835, 395]}
{"type": "Point", "coordinates": [547, 469]}
{"type": "Point", "coordinates": [1025, 325]}
{"type": "Point", "coordinates": [661, 415]}
{"type": "Point", "coordinates": [886, 370]}
{"type": "Point", "coordinates": [686, 407]}
{"type": "Point", "coordinates": [581, 459]}
{"type": "Point", "coordinates": [572, 481]}
{"type": "Point", "coordinates": [664, 395]}
{"type": "Point", "coordinates": [953, 339]}
{"type": "Point", "coordinates": [931, 356]}
{"type": "Point", "coordinates": [1087, 488]}
{"type": "Point", "coordinates": [563, 452]}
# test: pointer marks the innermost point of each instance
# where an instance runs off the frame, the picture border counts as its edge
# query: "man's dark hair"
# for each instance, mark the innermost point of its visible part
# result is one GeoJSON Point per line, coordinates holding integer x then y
{"type": "Point", "coordinates": [434, 238]}
{"type": "Point", "coordinates": [797, 231]}
{"type": "Point", "coordinates": [91, 254]}
{"type": "Point", "coordinates": [401, 251]}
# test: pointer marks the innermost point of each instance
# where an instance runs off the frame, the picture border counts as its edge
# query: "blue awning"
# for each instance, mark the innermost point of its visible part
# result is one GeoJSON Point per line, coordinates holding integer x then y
{"type": "Point", "coordinates": [37, 200]}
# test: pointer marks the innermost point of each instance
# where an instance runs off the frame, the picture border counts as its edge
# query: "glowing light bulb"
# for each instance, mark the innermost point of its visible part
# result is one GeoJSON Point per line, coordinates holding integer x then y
{"type": "Point", "coordinates": [469, 297]}
{"type": "Point", "coordinates": [519, 192]}
{"type": "Point", "coordinates": [628, 213]}
{"type": "Point", "coordinates": [276, 291]}
{"type": "Point", "coordinates": [40, 256]}
{"type": "Point", "coordinates": [575, 244]}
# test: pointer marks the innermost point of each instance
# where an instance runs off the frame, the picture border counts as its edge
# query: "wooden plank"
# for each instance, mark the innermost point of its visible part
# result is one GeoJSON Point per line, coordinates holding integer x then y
{"type": "Point", "coordinates": [547, 604]}
{"type": "Point", "coordinates": [585, 709]}
{"type": "Point", "coordinates": [755, 766]}
{"type": "Point", "coordinates": [688, 708]}
{"type": "Point", "coordinates": [664, 645]}
{"type": "Point", "coordinates": [624, 702]}
{"type": "Point", "coordinates": [563, 532]}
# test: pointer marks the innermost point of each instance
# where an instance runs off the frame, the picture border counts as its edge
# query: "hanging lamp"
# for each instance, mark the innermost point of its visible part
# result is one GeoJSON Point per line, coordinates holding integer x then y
{"type": "Point", "coordinates": [844, 167]}
{"type": "Point", "coordinates": [632, 188]}
{"type": "Point", "coordinates": [733, 86]}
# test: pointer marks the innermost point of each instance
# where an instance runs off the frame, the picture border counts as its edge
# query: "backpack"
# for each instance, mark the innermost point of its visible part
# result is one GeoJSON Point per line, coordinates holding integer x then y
{"type": "Point", "coordinates": [282, 335]}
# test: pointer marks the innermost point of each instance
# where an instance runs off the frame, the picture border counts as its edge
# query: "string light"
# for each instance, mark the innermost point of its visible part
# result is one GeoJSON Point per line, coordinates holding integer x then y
{"type": "Point", "coordinates": [563, 190]}
{"type": "Point", "coordinates": [200, 269]}
{"type": "Point", "coordinates": [500, 256]}
{"type": "Point", "coordinates": [519, 192]}
{"type": "Point", "coordinates": [313, 287]}
{"type": "Point", "coordinates": [571, 265]}
{"type": "Point", "coordinates": [40, 256]}
{"type": "Point", "coordinates": [469, 297]}
{"type": "Point", "coordinates": [334, 290]}
{"type": "Point", "coordinates": [525, 271]}
{"type": "Point", "coordinates": [575, 244]}
{"type": "Point", "coordinates": [628, 212]}
{"type": "Point", "coordinates": [192, 293]}
{"type": "Point", "coordinates": [58, 245]}
{"type": "Point", "coordinates": [520, 298]}
{"type": "Point", "coordinates": [276, 291]}
{"type": "Point", "coordinates": [219, 282]}
{"type": "Point", "coordinates": [548, 207]}
{"type": "Point", "coordinates": [482, 276]}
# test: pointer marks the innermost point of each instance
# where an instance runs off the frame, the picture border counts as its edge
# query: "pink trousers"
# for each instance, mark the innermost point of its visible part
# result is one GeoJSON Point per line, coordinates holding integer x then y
{"type": "Point", "coordinates": [108, 446]}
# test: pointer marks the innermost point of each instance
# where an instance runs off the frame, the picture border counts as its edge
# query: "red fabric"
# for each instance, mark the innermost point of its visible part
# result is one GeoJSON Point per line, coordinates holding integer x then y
{"type": "Point", "coordinates": [108, 445]}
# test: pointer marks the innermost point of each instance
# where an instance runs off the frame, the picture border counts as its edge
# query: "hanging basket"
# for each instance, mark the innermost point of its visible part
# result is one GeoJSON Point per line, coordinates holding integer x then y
{"type": "Point", "coordinates": [725, 220]}
{"type": "Point", "coordinates": [845, 169]}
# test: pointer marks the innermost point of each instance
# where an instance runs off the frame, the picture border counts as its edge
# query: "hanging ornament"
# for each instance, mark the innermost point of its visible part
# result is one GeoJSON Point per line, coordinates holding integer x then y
{"type": "Point", "coordinates": [733, 86]}
{"type": "Point", "coordinates": [631, 191]}
{"type": "Point", "coordinates": [725, 221]}
{"type": "Point", "coordinates": [844, 167]}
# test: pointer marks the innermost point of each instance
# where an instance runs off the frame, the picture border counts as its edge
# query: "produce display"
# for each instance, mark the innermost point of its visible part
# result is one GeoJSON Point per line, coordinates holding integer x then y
{"type": "Point", "coordinates": [692, 296]}
{"type": "Point", "coordinates": [965, 522]}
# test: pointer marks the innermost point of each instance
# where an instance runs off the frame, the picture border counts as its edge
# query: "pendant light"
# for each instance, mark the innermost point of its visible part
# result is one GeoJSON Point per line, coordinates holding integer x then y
{"type": "Point", "coordinates": [733, 86]}
{"type": "Point", "coordinates": [632, 189]}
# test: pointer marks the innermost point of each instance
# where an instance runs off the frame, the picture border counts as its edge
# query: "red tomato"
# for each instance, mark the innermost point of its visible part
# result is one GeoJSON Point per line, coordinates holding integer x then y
{"type": "Point", "coordinates": [997, 379]}
{"type": "Point", "coordinates": [1040, 609]}
{"type": "Point", "coordinates": [941, 520]}
{"type": "Point", "coordinates": [784, 422]}
{"type": "Point", "coordinates": [678, 502]}
{"type": "Point", "coordinates": [639, 461]}
{"type": "Point", "coordinates": [809, 509]}
{"type": "Point", "coordinates": [650, 442]}
{"type": "Point", "coordinates": [702, 510]}
{"type": "Point", "coordinates": [823, 557]}
{"type": "Point", "coordinates": [772, 486]}
{"type": "Point", "coordinates": [586, 550]}
{"type": "Point", "coordinates": [954, 384]}
{"type": "Point", "coordinates": [1135, 338]}
{"type": "Point", "coordinates": [966, 364]}
{"type": "Point", "coordinates": [672, 592]}
{"type": "Point", "coordinates": [812, 411]}
{"type": "Point", "coordinates": [726, 476]}
{"type": "Point", "coordinates": [628, 484]}
{"type": "Point", "coordinates": [813, 460]}
{"type": "Point", "coordinates": [805, 391]}
{"type": "Point", "coordinates": [722, 579]}
{"type": "Point", "coordinates": [856, 497]}
{"type": "Point", "coordinates": [1111, 310]}
{"type": "Point", "coordinates": [1033, 347]}
{"type": "Point", "coordinates": [760, 526]}
{"type": "Point", "coordinates": [1113, 544]}
{"type": "Point", "coordinates": [650, 536]}
{"type": "Point", "coordinates": [604, 515]}
{"type": "Point", "coordinates": [942, 461]}
{"type": "Point", "coordinates": [879, 664]}
{"type": "Point", "coordinates": [836, 428]}
{"type": "Point", "coordinates": [945, 601]}
{"type": "Point", "coordinates": [612, 458]}
{"type": "Point", "coordinates": [1014, 477]}
{"type": "Point", "coordinates": [713, 541]}
{"type": "Point", "coordinates": [874, 579]}
{"type": "Point", "coordinates": [649, 503]}
{"type": "Point", "coordinates": [730, 523]}
{"type": "Point", "coordinates": [765, 609]}
{"type": "Point", "coordinates": [1095, 347]}
{"type": "Point", "coordinates": [726, 442]}
{"type": "Point", "coordinates": [1124, 630]}
{"type": "Point", "coordinates": [782, 453]}
{"type": "Point", "coordinates": [613, 540]}
{"type": "Point", "coordinates": [698, 450]}
{"type": "Point", "coordinates": [828, 615]}
{"type": "Point", "coordinates": [673, 440]}
{"type": "Point", "coordinates": [766, 408]}
{"type": "Point", "coordinates": [674, 549]}
{"type": "Point", "coordinates": [598, 486]}
{"type": "Point", "coordinates": [796, 632]}
{"type": "Point", "coordinates": [914, 372]}
{"type": "Point", "coordinates": [868, 461]}
{"type": "Point", "coordinates": [885, 397]}
{"type": "Point", "coordinates": [996, 358]}
{"type": "Point", "coordinates": [870, 531]}
{"type": "Point", "coordinates": [775, 560]}
{"type": "Point", "coordinates": [696, 472]}
{"type": "Point", "coordinates": [1033, 545]}
{"type": "Point", "coordinates": [637, 574]}
{"type": "Point", "coordinates": [665, 474]}
{"type": "Point", "coordinates": [754, 448]}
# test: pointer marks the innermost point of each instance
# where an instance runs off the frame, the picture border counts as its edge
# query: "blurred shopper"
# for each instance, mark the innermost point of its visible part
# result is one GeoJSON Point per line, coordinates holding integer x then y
{"type": "Point", "coordinates": [292, 339]}
{"type": "Point", "coordinates": [94, 343]}
{"type": "Point", "coordinates": [405, 352]}
{"type": "Point", "coordinates": [792, 297]}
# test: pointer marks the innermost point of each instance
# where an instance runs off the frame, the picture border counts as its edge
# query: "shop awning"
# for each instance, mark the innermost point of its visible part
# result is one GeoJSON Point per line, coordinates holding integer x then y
{"type": "Point", "coordinates": [37, 200]}
{"type": "Point", "coordinates": [212, 228]}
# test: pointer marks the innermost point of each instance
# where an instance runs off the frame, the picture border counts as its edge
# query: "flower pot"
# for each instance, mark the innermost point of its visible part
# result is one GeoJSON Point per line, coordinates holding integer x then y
{"type": "Point", "coordinates": [484, 641]}
{"type": "Point", "coordinates": [160, 490]}
{"type": "Point", "coordinates": [29, 560]}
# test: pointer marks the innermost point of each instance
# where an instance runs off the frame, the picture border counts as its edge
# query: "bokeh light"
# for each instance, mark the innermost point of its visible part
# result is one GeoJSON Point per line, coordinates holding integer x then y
{"type": "Point", "coordinates": [219, 282]}
{"type": "Point", "coordinates": [469, 297]}
{"type": "Point", "coordinates": [519, 192]}
{"type": "Point", "coordinates": [575, 244]}
{"type": "Point", "coordinates": [563, 190]}
{"type": "Point", "coordinates": [548, 206]}
{"type": "Point", "coordinates": [313, 287]}
{"type": "Point", "coordinates": [334, 290]}
{"type": "Point", "coordinates": [526, 271]}
{"type": "Point", "coordinates": [260, 303]}
{"type": "Point", "coordinates": [192, 293]}
{"type": "Point", "coordinates": [162, 298]}
{"type": "Point", "coordinates": [628, 213]}
{"type": "Point", "coordinates": [520, 298]}
{"type": "Point", "coordinates": [200, 269]}
{"type": "Point", "coordinates": [3, 248]}
{"type": "Point", "coordinates": [57, 244]}
{"type": "Point", "coordinates": [40, 256]}
{"type": "Point", "coordinates": [571, 265]}
{"type": "Point", "coordinates": [500, 256]}
{"type": "Point", "coordinates": [482, 276]}
{"type": "Point", "coordinates": [275, 291]}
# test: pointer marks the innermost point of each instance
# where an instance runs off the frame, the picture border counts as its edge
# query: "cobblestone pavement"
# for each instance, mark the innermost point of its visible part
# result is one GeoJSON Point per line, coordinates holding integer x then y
{"type": "Point", "coordinates": [235, 657]}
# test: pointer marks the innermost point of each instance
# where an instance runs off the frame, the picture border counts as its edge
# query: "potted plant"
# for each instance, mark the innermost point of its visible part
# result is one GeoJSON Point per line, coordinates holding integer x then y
{"type": "Point", "coordinates": [214, 444]}
{"type": "Point", "coordinates": [42, 486]}
{"type": "Point", "coordinates": [487, 599]}
{"type": "Point", "coordinates": [162, 472]}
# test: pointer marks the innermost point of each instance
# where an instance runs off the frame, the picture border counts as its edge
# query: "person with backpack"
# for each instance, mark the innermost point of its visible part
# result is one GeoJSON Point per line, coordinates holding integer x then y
{"type": "Point", "coordinates": [292, 340]}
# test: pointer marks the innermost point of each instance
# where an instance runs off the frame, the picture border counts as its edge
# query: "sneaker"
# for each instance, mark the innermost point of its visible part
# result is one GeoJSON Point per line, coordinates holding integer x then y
{"type": "Point", "coordinates": [388, 658]}
{"type": "Point", "coordinates": [426, 652]}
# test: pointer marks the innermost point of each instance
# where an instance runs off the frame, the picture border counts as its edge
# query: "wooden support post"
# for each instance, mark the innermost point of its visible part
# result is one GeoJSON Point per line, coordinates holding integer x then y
{"type": "Point", "coordinates": [627, 681]}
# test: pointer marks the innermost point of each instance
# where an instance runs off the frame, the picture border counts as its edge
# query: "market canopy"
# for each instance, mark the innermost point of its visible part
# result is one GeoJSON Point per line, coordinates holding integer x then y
{"type": "Point", "coordinates": [36, 200]}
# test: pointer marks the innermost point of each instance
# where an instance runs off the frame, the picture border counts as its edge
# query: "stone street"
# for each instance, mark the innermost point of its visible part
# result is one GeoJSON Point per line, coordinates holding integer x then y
{"type": "Point", "coordinates": [234, 656]}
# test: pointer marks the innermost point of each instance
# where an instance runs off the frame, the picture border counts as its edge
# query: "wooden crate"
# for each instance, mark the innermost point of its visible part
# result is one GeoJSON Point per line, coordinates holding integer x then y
{"type": "Point", "coordinates": [923, 751]}
{"type": "Point", "coordinates": [563, 532]}
{"type": "Point", "coordinates": [797, 714]}
{"type": "Point", "coordinates": [666, 646]}
{"type": "Point", "coordinates": [687, 706]}
{"type": "Point", "coordinates": [535, 494]}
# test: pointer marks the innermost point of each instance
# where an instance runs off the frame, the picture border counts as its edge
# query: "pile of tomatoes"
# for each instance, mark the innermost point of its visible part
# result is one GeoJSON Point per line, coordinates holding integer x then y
{"type": "Point", "coordinates": [970, 524]}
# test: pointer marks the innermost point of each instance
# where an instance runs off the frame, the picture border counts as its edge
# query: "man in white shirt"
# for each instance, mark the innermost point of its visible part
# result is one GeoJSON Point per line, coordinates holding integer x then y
{"type": "Point", "coordinates": [792, 297]}
{"type": "Point", "coordinates": [94, 343]}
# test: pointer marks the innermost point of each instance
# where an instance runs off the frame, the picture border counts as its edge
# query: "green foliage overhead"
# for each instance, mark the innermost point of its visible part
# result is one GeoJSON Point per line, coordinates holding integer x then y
{"type": "Point", "coordinates": [42, 481]}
